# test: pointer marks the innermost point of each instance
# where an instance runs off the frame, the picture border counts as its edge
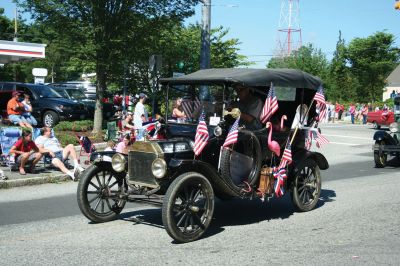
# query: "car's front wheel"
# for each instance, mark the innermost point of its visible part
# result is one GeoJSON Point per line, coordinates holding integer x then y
{"type": "Point", "coordinates": [188, 207]}
{"type": "Point", "coordinates": [380, 157]}
{"type": "Point", "coordinates": [99, 193]}
{"type": "Point", "coordinates": [50, 118]}
{"type": "Point", "coordinates": [306, 186]}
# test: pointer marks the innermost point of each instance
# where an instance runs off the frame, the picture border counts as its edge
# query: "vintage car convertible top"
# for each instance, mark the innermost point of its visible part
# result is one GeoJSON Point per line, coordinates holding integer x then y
{"type": "Point", "coordinates": [209, 151]}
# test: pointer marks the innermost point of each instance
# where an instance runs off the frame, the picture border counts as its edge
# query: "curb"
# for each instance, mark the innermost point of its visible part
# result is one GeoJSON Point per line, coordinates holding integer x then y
{"type": "Point", "coordinates": [31, 181]}
{"type": "Point", "coordinates": [39, 180]}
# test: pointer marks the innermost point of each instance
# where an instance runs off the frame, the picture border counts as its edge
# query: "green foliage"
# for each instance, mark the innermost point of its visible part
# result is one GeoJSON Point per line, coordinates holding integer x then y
{"type": "Point", "coordinates": [66, 138]}
{"type": "Point", "coordinates": [77, 126]}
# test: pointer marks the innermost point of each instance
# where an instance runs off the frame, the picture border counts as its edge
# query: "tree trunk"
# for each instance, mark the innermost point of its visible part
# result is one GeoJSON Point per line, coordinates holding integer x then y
{"type": "Point", "coordinates": [100, 87]}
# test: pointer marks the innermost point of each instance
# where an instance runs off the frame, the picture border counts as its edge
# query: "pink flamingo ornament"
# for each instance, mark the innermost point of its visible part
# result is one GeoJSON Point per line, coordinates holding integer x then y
{"type": "Point", "coordinates": [273, 145]}
{"type": "Point", "coordinates": [284, 117]}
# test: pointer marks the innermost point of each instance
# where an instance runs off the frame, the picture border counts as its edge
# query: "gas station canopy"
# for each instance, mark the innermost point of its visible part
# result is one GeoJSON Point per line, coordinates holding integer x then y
{"type": "Point", "coordinates": [18, 51]}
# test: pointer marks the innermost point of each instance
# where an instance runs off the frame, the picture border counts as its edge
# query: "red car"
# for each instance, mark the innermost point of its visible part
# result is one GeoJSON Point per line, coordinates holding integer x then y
{"type": "Point", "coordinates": [380, 118]}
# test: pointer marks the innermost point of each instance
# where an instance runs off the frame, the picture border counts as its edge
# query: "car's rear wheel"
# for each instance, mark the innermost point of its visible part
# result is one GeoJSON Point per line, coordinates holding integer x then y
{"type": "Point", "coordinates": [50, 118]}
{"type": "Point", "coordinates": [376, 125]}
{"type": "Point", "coordinates": [380, 157]}
{"type": "Point", "coordinates": [188, 207]}
{"type": "Point", "coordinates": [99, 192]}
{"type": "Point", "coordinates": [306, 186]}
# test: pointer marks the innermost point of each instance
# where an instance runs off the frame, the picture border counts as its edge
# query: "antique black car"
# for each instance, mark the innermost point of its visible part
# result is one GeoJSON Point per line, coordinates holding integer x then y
{"type": "Point", "coordinates": [166, 172]}
{"type": "Point", "coordinates": [388, 144]}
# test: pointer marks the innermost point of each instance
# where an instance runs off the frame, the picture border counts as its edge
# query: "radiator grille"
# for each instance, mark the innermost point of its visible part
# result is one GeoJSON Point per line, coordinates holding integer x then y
{"type": "Point", "coordinates": [139, 168]}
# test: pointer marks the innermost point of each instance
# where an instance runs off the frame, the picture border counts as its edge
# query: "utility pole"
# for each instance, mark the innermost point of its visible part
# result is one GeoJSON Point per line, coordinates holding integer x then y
{"type": "Point", "coordinates": [205, 53]}
{"type": "Point", "coordinates": [205, 34]}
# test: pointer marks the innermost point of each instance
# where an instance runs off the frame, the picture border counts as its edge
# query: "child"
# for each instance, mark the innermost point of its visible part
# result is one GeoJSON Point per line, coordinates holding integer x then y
{"type": "Point", "coordinates": [110, 146]}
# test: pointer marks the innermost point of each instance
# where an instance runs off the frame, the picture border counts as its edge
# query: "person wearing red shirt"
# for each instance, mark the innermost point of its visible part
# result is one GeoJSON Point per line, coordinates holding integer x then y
{"type": "Point", "coordinates": [26, 151]}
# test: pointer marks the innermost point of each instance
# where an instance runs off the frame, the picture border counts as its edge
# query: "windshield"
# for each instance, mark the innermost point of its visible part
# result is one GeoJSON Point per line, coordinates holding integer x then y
{"type": "Point", "coordinates": [185, 105]}
{"type": "Point", "coordinates": [62, 92]}
{"type": "Point", "coordinates": [76, 94]}
{"type": "Point", "coordinates": [46, 92]}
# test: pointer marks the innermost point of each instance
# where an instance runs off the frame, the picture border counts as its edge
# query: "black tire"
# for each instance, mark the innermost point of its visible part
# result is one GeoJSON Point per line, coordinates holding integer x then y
{"type": "Point", "coordinates": [380, 157]}
{"type": "Point", "coordinates": [306, 186]}
{"type": "Point", "coordinates": [376, 125]}
{"type": "Point", "coordinates": [98, 193]}
{"type": "Point", "coordinates": [188, 207]}
{"type": "Point", "coordinates": [248, 144]}
{"type": "Point", "coordinates": [50, 119]}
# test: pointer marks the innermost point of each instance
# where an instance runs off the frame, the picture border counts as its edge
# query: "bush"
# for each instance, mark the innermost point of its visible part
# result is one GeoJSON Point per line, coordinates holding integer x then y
{"type": "Point", "coordinates": [66, 138]}
{"type": "Point", "coordinates": [78, 126]}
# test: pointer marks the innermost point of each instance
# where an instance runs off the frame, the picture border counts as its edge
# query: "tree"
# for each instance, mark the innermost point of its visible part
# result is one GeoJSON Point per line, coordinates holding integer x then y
{"type": "Point", "coordinates": [371, 60]}
{"type": "Point", "coordinates": [101, 26]}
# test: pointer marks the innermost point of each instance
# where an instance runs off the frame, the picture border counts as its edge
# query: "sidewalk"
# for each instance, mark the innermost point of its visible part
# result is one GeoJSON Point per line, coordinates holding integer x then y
{"type": "Point", "coordinates": [43, 175]}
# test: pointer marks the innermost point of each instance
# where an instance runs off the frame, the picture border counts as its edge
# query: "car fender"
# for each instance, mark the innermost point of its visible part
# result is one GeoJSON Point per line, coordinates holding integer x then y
{"type": "Point", "coordinates": [302, 155]}
{"type": "Point", "coordinates": [219, 185]}
{"type": "Point", "coordinates": [383, 135]}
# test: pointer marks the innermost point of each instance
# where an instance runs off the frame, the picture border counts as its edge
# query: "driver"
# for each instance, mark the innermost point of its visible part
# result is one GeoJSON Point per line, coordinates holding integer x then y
{"type": "Point", "coordinates": [250, 107]}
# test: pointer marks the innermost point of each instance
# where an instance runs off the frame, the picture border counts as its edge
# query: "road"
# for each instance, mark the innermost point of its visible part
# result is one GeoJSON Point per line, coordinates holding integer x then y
{"type": "Point", "coordinates": [357, 221]}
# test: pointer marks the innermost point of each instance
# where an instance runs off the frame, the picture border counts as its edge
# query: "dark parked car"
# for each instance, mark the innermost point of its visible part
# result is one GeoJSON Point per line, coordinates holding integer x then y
{"type": "Point", "coordinates": [78, 95]}
{"type": "Point", "coordinates": [166, 172]}
{"type": "Point", "coordinates": [88, 88]}
{"type": "Point", "coordinates": [49, 107]}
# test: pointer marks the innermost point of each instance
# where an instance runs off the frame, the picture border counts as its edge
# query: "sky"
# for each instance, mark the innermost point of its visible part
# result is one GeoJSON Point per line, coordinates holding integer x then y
{"type": "Point", "coordinates": [255, 22]}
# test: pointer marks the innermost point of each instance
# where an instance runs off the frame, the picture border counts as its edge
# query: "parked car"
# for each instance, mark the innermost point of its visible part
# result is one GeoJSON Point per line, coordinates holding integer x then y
{"type": "Point", "coordinates": [380, 118]}
{"type": "Point", "coordinates": [166, 172]}
{"type": "Point", "coordinates": [49, 107]}
{"type": "Point", "coordinates": [88, 88]}
{"type": "Point", "coordinates": [78, 95]}
{"type": "Point", "coordinates": [388, 144]}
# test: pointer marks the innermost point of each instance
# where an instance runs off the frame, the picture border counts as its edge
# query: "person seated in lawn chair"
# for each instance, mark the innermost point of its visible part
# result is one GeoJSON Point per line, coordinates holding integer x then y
{"type": "Point", "coordinates": [50, 144]}
{"type": "Point", "coordinates": [15, 109]}
{"type": "Point", "coordinates": [26, 152]}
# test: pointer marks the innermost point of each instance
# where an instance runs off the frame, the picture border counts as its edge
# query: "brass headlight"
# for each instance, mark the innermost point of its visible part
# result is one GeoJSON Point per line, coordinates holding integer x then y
{"type": "Point", "coordinates": [159, 168]}
{"type": "Point", "coordinates": [118, 162]}
{"type": "Point", "coordinates": [394, 127]}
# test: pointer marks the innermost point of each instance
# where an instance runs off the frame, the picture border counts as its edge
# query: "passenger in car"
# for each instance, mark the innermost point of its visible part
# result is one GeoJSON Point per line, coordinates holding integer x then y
{"type": "Point", "coordinates": [250, 107]}
{"type": "Point", "coordinates": [15, 109]}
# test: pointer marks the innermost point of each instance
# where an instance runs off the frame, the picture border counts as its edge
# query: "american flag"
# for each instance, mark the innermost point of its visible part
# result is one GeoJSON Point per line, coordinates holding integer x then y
{"type": "Point", "coordinates": [286, 157]}
{"type": "Point", "coordinates": [232, 136]}
{"type": "Point", "coordinates": [321, 104]}
{"type": "Point", "coordinates": [190, 106]}
{"type": "Point", "coordinates": [279, 183]}
{"type": "Point", "coordinates": [321, 111]}
{"type": "Point", "coordinates": [270, 105]}
{"type": "Point", "coordinates": [320, 139]}
{"type": "Point", "coordinates": [201, 138]}
{"type": "Point", "coordinates": [319, 96]}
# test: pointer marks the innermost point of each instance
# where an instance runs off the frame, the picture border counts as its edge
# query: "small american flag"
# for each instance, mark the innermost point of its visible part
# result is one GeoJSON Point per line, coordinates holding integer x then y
{"type": "Point", "coordinates": [286, 157]}
{"type": "Point", "coordinates": [319, 96]}
{"type": "Point", "coordinates": [270, 105]}
{"type": "Point", "coordinates": [321, 111]}
{"type": "Point", "coordinates": [320, 139]}
{"type": "Point", "coordinates": [279, 183]}
{"type": "Point", "coordinates": [232, 136]}
{"type": "Point", "coordinates": [201, 138]}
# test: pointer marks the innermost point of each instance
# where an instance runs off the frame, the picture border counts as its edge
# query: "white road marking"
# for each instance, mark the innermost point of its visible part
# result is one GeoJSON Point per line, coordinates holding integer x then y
{"type": "Point", "coordinates": [343, 136]}
{"type": "Point", "coordinates": [343, 143]}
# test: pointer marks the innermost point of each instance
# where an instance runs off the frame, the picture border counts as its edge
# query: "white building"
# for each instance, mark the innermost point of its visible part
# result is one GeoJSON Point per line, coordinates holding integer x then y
{"type": "Point", "coordinates": [393, 83]}
{"type": "Point", "coordinates": [11, 51]}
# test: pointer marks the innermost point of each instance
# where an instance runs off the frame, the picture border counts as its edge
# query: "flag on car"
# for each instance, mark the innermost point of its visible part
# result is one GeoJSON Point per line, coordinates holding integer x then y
{"type": "Point", "coordinates": [320, 139]}
{"type": "Point", "coordinates": [287, 156]}
{"type": "Point", "coordinates": [321, 109]}
{"type": "Point", "coordinates": [201, 138]}
{"type": "Point", "coordinates": [319, 97]}
{"type": "Point", "coordinates": [279, 183]}
{"type": "Point", "coordinates": [270, 105]}
{"type": "Point", "coordinates": [190, 106]}
{"type": "Point", "coordinates": [308, 140]}
{"type": "Point", "coordinates": [232, 136]}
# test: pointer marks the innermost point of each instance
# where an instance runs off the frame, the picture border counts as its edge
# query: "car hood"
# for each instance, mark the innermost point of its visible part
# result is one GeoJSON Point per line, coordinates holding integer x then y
{"type": "Point", "coordinates": [61, 101]}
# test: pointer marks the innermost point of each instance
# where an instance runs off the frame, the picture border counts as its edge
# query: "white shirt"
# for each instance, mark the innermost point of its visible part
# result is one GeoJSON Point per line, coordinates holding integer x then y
{"type": "Point", "coordinates": [137, 118]}
{"type": "Point", "coordinates": [49, 143]}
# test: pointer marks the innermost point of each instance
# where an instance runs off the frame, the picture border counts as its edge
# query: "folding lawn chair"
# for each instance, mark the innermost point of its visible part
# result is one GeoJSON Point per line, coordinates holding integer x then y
{"type": "Point", "coordinates": [87, 147]}
{"type": "Point", "coordinates": [112, 132]}
{"type": "Point", "coordinates": [8, 137]}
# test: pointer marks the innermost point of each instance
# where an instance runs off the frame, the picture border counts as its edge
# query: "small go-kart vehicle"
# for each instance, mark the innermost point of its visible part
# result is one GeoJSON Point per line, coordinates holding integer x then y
{"type": "Point", "coordinates": [184, 181]}
{"type": "Point", "coordinates": [388, 144]}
